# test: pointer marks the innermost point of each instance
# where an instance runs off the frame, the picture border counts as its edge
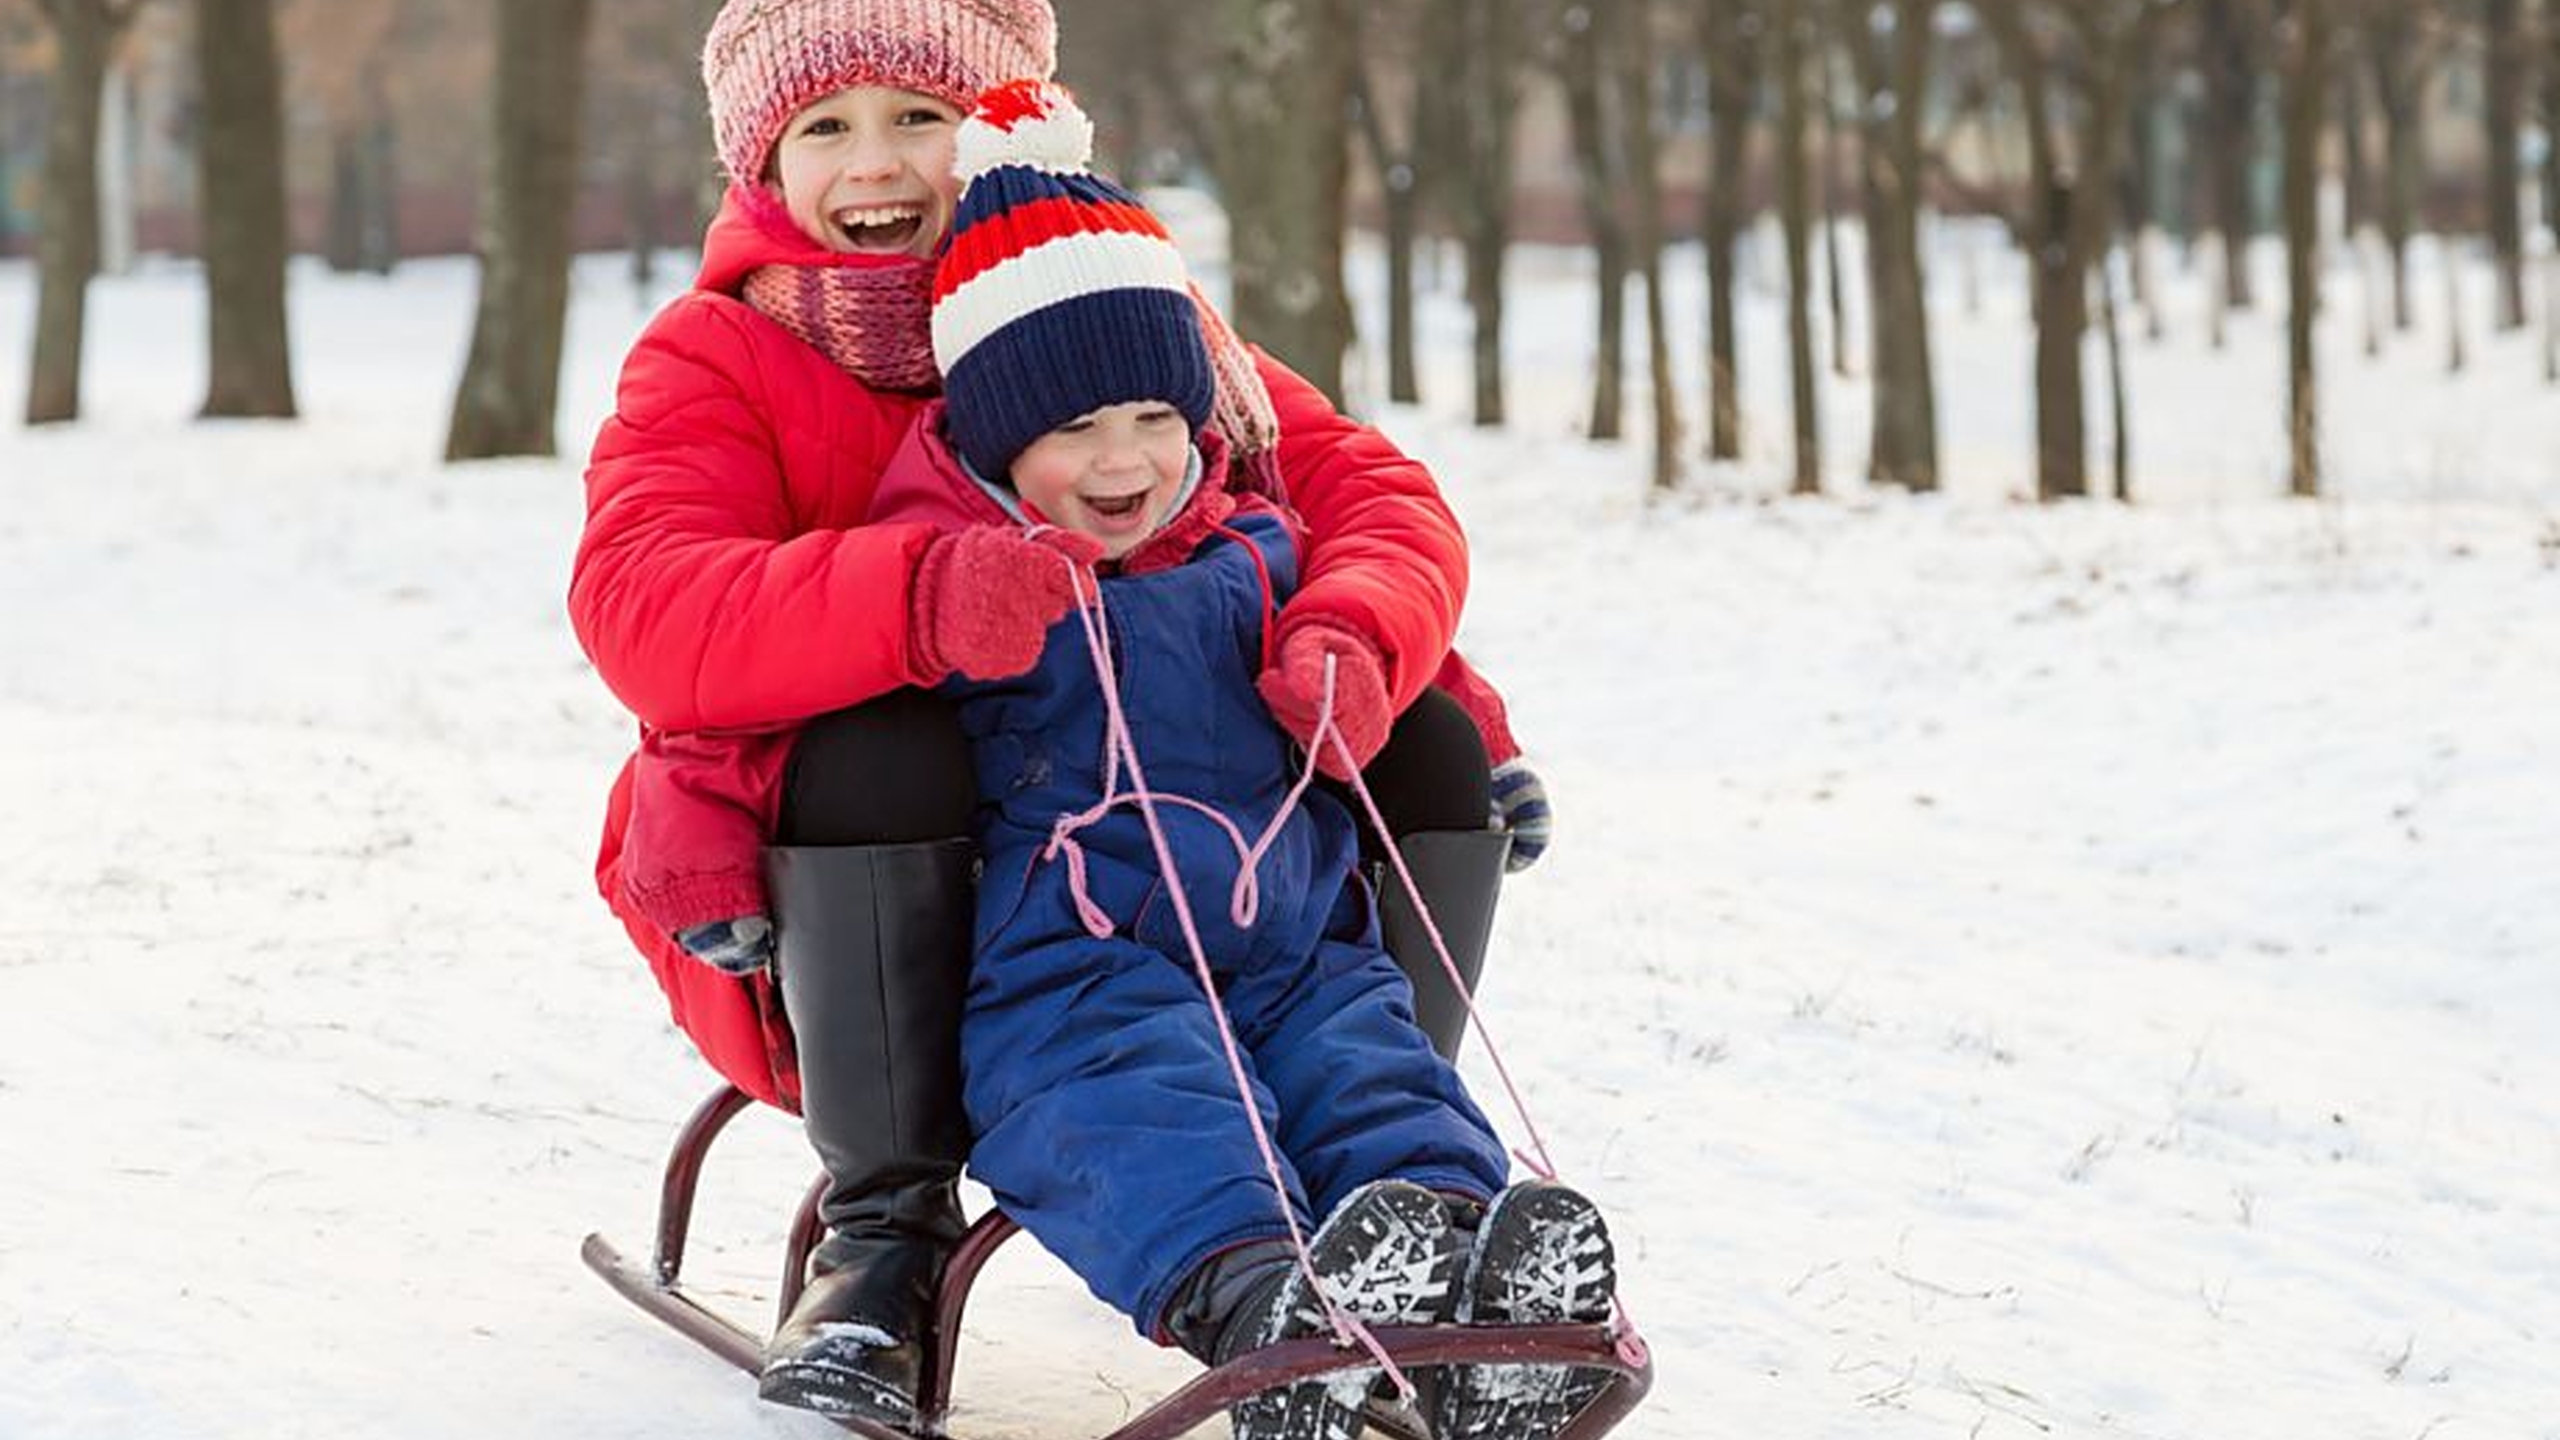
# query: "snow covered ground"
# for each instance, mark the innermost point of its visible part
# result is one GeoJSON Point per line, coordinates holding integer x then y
{"type": "Point", "coordinates": [2008, 971]}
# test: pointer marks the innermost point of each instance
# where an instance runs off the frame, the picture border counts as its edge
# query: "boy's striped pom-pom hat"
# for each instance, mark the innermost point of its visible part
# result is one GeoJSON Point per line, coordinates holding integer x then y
{"type": "Point", "coordinates": [1060, 292]}
{"type": "Point", "coordinates": [764, 61]}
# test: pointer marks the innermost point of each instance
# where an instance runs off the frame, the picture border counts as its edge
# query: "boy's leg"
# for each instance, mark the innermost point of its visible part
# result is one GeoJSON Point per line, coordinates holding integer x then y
{"type": "Point", "coordinates": [1361, 1093]}
{"type": "Point", "coordinates": [1107, 1120]}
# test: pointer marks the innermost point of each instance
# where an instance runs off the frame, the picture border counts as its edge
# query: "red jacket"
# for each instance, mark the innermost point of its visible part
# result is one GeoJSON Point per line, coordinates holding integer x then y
{"type": "Point", "coordinates": [726, 578]}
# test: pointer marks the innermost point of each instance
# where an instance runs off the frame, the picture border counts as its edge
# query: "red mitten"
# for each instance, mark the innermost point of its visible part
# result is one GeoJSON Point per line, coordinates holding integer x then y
{"type": "Point", "coordinates": [984, 599]}
{"type": "Point", "coordinates": [1294, 689]}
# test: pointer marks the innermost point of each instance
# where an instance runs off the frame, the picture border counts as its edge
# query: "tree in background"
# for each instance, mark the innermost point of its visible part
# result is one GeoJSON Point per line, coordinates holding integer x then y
{"type": "Point", "coordinates": [1581, 57]}
{"type": "Point", "coordinates": [1729, 32]}
{"type": "Point", "coordinates": [2072, 62]}
{"type": "Point", "coordinates": [1479, 42]}
{"type": "Point", "coordinates": [2230, 44]}
{"type": "Point", "coordinates": [1889, 47]}
{"type": "Point", "coordinates": [646, 102]}
{"type": "Point", "coordinates": [511, 382]}
{"type": "Point", "coordinates": [1606, 57]}
{"type": "Point", "coordinates": [1638, 52]}
{"type": "Point", "coordinates": [1147, 71]}
{"type": "Point", "coordinates": [2550, 61]}
{"type": "Point", "coordinates": [2402, 41]}
{"type": "Point", "coordinates": [2303, 41]}
{"type": "Point", "coordinates": [84, 34]}
{"type": "Point", "coordinates": [1792, 22]}
{"type": "Point", "coordinates": [1392, 145]}
{"type": "Point", "coordinates": [1282, 157]}
{"type": "Point", "coordinates": [2502, 62]}
{"type": "Point", "coordinates": [339, 60]}
{"type": "Point", "coordinates": [240, 194]}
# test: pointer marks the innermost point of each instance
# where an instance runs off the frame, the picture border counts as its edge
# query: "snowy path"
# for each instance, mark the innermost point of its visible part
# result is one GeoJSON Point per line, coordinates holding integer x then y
{"type": "Point", "coordinates": [2008, 972]}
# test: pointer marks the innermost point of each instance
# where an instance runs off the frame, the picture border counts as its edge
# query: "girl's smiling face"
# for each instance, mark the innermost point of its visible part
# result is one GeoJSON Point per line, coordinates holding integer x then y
{"type": "Point", "coordinates": [1113, 474]}
{"type": "Point", "coordinates": [868, 171]}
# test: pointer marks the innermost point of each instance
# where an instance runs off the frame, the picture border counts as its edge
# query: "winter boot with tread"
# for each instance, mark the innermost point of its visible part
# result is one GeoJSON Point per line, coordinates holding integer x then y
{"type": "Point", "coordinates": [1388, 1257]}
{"type": "Point", "coordinates": [1542, 1257]}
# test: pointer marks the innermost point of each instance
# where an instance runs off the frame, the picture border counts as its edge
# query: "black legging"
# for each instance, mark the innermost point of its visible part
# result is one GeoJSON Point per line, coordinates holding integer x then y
{"type": "Point", "coordinates": [896, 770]}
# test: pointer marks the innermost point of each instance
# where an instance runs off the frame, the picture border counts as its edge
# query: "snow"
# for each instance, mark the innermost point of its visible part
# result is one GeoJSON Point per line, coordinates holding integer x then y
{"type": "Point", "coordinates": [2005, 970]}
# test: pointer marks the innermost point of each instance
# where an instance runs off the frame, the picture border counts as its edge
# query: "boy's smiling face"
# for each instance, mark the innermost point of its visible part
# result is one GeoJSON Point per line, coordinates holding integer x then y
{"type": "Point", "coordinates": [1113, 474]}
{"type": "Point", "coordinates": [867, 171]}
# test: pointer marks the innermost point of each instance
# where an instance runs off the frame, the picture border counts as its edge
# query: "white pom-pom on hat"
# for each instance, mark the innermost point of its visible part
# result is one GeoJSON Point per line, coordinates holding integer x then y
{"type": "Point", "coordinates": [1031, 123]}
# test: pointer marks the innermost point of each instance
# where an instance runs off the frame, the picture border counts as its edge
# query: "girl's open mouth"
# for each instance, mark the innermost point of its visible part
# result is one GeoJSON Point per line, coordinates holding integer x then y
{"type": "Point", "coordinates": [881, 230]}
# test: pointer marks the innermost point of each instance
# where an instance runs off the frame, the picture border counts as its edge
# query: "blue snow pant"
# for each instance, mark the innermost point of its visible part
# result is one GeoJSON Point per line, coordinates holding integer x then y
{"type": "Point", "coordinates": [1107, 1119]}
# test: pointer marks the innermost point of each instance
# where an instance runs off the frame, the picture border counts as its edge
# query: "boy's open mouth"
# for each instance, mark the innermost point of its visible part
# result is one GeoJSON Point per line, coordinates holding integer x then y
{"type": "Point", "coordinates": [880, 229]}
{"type": "Point", "coordinates": [1116, 506]}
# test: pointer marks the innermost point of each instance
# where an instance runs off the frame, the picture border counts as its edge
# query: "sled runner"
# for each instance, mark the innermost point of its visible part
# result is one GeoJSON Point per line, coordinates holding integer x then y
{"type": "Point", "coordinates": [657, 1287]}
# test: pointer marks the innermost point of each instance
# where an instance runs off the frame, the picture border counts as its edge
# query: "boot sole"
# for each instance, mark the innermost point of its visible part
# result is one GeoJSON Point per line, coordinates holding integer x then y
{"type": "Point", "coordinates": [835, 1390]}
{"type": "Point", "coordinates": [1542, 1257]}
{"type": "Point", "coordinates": [1386, 1256]}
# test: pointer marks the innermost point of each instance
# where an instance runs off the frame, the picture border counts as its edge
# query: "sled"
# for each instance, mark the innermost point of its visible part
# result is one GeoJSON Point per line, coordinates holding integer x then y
{"type": "Point", "coordinates": [657, 1287]}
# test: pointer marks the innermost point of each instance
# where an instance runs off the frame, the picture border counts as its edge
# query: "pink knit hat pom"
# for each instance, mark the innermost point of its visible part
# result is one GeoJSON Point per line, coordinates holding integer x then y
{"type": "Point", "coordinates": [765, 61]}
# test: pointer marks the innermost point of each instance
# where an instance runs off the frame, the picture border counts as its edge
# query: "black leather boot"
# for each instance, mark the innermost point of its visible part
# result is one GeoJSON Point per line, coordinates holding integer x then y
{"type": "Point", "coordinates": [872, 951]}
{"type": "Point", "coordinates": [1460, 875]}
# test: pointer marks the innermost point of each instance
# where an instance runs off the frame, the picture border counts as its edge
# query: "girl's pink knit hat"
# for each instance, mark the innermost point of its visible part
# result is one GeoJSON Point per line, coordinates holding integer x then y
{"type": "Point", "coordinates": [765, 60]}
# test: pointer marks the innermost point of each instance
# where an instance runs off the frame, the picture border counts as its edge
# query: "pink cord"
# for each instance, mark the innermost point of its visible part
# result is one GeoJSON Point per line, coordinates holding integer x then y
{"type": "Point", "coordinates": [1631, 1346]}
{"type": "Point", "coordinates": [1347, 1329]}
{"type": "Point", "coordinates": [1244, 901]}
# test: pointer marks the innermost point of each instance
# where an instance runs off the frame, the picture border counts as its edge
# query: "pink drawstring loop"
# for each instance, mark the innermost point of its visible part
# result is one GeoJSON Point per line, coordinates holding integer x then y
{"type": "Point", "coordinates": [1119, 750]}
{"type": "Point", "coordinates": [1244, 901]}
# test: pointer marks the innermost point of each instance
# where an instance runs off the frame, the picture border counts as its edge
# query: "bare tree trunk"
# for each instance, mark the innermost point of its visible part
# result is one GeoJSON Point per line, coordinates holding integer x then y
{"type": "Point", "coordinates": [2096, 46]}
{"type": "Point", "coordinates": [2062, 322]}
{"type": "Point", "coordinates": [2119, 400]}
{"type": "Point", "coordinates": [2306, 85]}
{"type": "Point", "coordinates": [640, 205]}
{"type": "Point", "coordinates": [363, 231]}
{"type": "Point", "coordinates": [2457, 347]}
{"type": "Point", "coordinates": [2502, 118]}
{"type": "Point", "coordinates": [1795, 206]}
{"type": "Point", "coordinates": [84, 35]}
{"type": "Point", "coordinates": [2137, 190]}
{"type": "Point", "coordinates": [1602, 166]}
{"type": "Point", "coordinates": [240, 190]}
{"type": "Point", "coordinates": [2373, 267]}
{"type": "Point", "coordinates": [511, 383]}
{"type": "Point", "coordinates": [1284, 153]}
{"type": "Point", "coordinates": [1644, 162]}
{"type": "Point", "coordinates": [1835, 285]}
{"type": "Point", "coordinates": [2551, 124]}
{"type": "Point", "coordinates": [2230, 137]}
{"type": "Point", "coordinates": [2389, 47]}
{"type": "Point", "coordinates": [1399, 184]}
{"type": "Point", "coordinates": [2356, 162]}
{"type": "Point", "coordinates": [1893, 76]}
{"type": "Point", "coordinates": [1487, 85]}
{"type": "Point", "coordinates": [1732, 66]}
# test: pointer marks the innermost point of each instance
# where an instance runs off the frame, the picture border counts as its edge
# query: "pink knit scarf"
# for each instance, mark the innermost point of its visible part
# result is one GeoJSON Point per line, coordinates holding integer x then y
{"type": "Point", "coordinates": [875, 321]}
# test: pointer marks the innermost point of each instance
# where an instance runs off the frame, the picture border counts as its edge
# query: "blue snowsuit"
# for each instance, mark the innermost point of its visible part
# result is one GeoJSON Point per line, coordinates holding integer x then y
{"type": "Point", "coordinates": [1107, 1121]}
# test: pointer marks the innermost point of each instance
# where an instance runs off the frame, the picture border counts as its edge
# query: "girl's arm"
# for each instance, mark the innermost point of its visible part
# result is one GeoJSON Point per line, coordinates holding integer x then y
{"type": "Point", "coordinates": [699, 595]}
{"type": "Point", "coordinates": [1384, 556]}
